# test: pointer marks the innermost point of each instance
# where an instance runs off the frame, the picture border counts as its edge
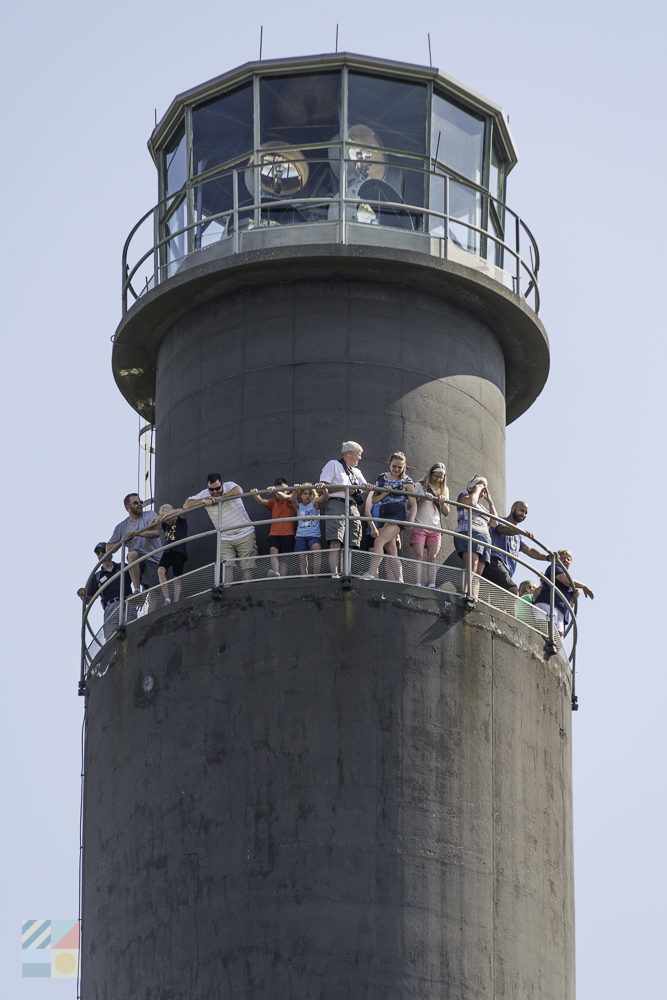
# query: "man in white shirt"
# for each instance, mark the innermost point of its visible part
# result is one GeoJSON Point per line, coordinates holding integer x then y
{"type": "Point", "coordinates": [237, 534]}
{"type": "Point", "coordinates": [338, 472]}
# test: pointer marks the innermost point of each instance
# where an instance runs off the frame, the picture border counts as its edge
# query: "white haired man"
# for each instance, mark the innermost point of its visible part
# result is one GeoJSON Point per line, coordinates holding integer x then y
{"type": "Point", "coordinates": [343, 471]}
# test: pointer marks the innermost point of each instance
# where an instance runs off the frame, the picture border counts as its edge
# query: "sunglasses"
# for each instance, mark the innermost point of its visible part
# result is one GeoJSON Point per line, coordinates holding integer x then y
{"type": "Point", "coordinates": [215, 489]}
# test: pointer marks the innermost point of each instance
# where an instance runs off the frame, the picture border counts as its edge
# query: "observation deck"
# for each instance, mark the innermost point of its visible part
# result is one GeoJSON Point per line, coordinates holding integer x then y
{"type": "Point", "coordinates": [400, 579]}
{"type": "Point", "coordinates": [340, 165]}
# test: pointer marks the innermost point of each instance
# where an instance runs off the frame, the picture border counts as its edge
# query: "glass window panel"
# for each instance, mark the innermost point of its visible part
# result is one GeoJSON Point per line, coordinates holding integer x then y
{"type": "Point", "coordinates": [394, 110]}
{"type": "Point", "coordinates": [300, 110]}
{"type": "Point", "coordinates": [386, 114]}
{"type": "Point", "coordinates": [464, 205]}
{"type": "Point", "coordinates": [175, 162]}
{"type": "Point", "coordinates": [296, 112]}
{"type": "Point", "coordinates": [457, 139]}
{"type": "Point", "coordinates": [176, 247]}
{"type": "Point", "coordinates": [222, 129]}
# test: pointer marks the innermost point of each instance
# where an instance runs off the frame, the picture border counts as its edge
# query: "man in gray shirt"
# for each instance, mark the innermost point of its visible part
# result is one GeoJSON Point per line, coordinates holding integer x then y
{"type": "Point", "coordinates": [147, 540]}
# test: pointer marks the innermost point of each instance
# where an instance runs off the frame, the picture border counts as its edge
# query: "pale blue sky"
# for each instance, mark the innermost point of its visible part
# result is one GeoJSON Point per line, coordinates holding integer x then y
{"type": "Point", "coordinates": [582, 85]}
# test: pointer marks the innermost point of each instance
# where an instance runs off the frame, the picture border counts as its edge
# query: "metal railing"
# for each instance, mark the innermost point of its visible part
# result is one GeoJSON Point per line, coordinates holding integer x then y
{"type": "Point", "coordinates": [229, 211]}
{"type": "Point", "coordinates": [351, 563]}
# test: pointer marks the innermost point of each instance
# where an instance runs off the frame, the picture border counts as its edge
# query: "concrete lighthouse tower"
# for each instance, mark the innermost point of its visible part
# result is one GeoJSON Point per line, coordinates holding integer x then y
{"type": "Point", "coordinates": [314, 787]}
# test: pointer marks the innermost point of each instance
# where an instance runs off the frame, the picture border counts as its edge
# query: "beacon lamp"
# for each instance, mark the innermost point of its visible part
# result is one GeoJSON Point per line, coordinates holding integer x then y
{"type": "Point", "coordinates": [282, 172]}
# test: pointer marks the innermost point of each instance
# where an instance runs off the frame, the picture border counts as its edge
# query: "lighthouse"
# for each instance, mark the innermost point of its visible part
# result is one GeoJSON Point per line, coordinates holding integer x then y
{"type": "Point", "coordinates": [317, 787]}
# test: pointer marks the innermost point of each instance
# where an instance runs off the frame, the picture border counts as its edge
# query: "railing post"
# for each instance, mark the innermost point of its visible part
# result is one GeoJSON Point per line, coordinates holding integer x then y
{"type": "Point", "coordinates": [517, 248]}
{"type": "Point", "coordinates": [156, 250]}
{"type": "Point", "coordinates": [82, 676]}
{"type": "Point", "coordinates": [469, 566]}
{"type": "Point", "coordinates": [235, 217]}
{"type": "Point", "coordinates": [346, 567]}
{"type": "Point", "coordinates": [342, 188]}
{"type": "Point", "coordinates": [552, 601]}
{"type": "Point", "coordinates": [218, 567]}
{"type": "Point", "coordinates": [446, 207]}
{"type": "Point", "coordinates": [122, 610]}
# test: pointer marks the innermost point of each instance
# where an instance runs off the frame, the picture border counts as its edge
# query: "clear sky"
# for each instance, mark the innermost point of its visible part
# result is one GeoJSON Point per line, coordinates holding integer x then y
{"type": "Point", "coordinates": [582, 83]}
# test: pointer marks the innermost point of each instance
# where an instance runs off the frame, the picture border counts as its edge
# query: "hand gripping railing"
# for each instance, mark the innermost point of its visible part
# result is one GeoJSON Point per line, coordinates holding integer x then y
{"type": "Point", "coordinates": [222, 574]}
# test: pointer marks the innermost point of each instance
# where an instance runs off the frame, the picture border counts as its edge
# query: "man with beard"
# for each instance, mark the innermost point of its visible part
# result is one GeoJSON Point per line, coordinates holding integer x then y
{"type": "Point", "coordinates": [500, 569]}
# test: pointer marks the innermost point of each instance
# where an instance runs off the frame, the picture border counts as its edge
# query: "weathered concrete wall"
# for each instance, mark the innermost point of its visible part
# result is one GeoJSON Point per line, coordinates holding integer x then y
{"type": "Point", "coordinates": [268, 382]}
{"type": "Point", "coordinates": [301, 792]}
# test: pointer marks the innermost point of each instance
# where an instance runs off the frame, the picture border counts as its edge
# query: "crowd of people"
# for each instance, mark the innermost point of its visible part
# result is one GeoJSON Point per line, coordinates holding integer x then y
{"type": "Point", "coordinates": [393, 512]}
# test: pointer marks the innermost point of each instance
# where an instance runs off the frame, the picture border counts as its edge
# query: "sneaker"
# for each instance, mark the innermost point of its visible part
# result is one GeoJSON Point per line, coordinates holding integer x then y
{"type": "Point", "coordinates": [167, 600]}
{"type": "Point", "coordinates": [274, 572]}
{"type": "Point", "coordinates": [335, 576]}
{"type": "Point", "coordinates": [369, 576]}
{"type": "Point", "coordinates": [432, 586]}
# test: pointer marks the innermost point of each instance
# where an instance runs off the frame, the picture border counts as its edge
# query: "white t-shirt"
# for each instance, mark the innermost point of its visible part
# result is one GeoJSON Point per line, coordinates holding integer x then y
{"type": "Point", "coordinates": [428, 513]}
{"type": "Point", "coordinates": [234, 519]}
{"type": "Point", "coordinates": [334, 473]}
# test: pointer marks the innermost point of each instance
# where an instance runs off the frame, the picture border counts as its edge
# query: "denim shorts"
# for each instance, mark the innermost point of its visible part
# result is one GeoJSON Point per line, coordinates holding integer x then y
{"type": "Point", "coordinates": [303, 543]}
{"type": "Point", "coordinates": [480, 545]}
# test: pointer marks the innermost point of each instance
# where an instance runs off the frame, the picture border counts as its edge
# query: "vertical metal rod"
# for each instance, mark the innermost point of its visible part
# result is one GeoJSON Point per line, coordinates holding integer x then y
{"type": "Point", "coordinates": [342, 189]}
{"type": "Point", "coordinates": [122, 612]}
{"type": "Point", "coordinates": [446, 238]}
{"type": "Point", "coordinates": [336, 38]}
{"type": "Point", "coordinates": [342, 207]}
{"type": "Point", "coordinates": [156, 252]}
{"type": "Point", "coordinates": [82, 676]}
{"type": "Point", "coordinates": [552, 599]}
{"type": "Point", "coordinates": [235, 217]}
{"type": "Point", "coordinates": [345, 568]}
{"type": "Point", "coordinates": [261, 39]}
{"type": "Point", "coordinates": [217, 567]}
{"type": "Point", "coordinates": [469, 566]}
{"type": "Point", "coordinates": [517, 247]}
{"type": "Point", "coordinates": [430, 57]}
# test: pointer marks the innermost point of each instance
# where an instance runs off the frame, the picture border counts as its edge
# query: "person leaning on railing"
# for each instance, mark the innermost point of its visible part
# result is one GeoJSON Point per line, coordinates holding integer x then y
{"type": "Point", "coordinates": [343, 471]}
{"type": "Point", "coordinates": [393, 507]}
{"type": "Point", "coordinates": [110, 596]}
{"type": "Point", "coordinates": [432, 494]}
{"type": "Point", "coordinates": [237, 534]}
{"type": "Point", "coordinates": [142, 538]}
{"type": "Point", "coordinates": [306, 502]}
{"type": "Point", "coordinates": [564, 585]}
{"type": "Point", "coordinates": [281, 533]}
{"type": "Point", "coordinates": [481, 521]}
{"type": "Point", "coordinates": [509, 537]}
{"type": "Point", "coordinates": [175, 529]}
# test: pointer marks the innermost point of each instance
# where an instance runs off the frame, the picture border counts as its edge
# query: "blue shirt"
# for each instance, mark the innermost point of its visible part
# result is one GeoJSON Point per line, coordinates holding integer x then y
{"type": "Point", "coordinates": [310, 528]}
{"type": "Point", "coordinates": [393, 507]}
{"type": "Point", "coordinates": [512, 546]}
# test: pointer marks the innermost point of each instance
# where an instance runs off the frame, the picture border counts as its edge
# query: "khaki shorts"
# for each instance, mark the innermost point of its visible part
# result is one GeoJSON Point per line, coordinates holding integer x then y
{"type": "Point", "coordinates": [243, 549]}
{"type": "Point", "coordinates": [335, 530]}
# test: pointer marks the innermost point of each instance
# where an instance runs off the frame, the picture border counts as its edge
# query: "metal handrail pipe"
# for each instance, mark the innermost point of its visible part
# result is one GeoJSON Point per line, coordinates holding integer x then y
{"type": "Point", "coordinates": [346, 489]}
{"type": "Point", "coordinates": [236, 167]}
{"type": "Point", "coordinates": [409, 207]}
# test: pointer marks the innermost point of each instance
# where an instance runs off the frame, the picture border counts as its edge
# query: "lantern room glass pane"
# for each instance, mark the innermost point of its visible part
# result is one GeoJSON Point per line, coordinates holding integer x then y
{"type": "Point", "coordinates": [394, 110]}
{"type": "Point", "coordinates": [299, 110]}
{"type": "Point", "coordinates": [295, 113]}
{"type": "Point", "coordinates": [457, 139]}
{"type": "Point", "coordinates": [175, 162]}
{"type": "Point", "coordinates": [222, 129]}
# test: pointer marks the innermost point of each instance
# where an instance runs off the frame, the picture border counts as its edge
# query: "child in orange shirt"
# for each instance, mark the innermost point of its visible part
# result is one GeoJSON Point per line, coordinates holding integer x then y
{"type": "Point", "coordinates": [281, 535]}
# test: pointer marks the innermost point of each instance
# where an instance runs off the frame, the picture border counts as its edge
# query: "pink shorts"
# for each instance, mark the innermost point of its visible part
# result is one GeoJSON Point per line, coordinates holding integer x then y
{"type": "Point", "coordinates": [422, 536]}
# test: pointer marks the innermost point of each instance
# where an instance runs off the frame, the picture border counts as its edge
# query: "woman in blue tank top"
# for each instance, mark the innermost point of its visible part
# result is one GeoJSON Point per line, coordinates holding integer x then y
{"type": "Point", "coordinates": [395, 507]}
